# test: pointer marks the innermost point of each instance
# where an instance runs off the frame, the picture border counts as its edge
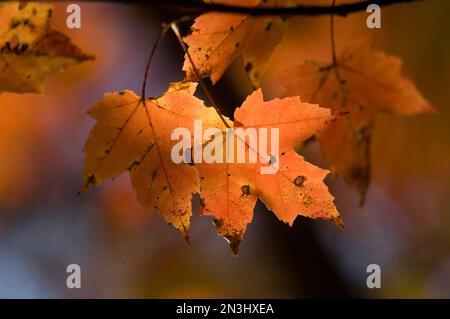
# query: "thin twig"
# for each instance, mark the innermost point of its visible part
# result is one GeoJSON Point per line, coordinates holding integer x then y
{"type": "Point", "coordinates": [334, 65]}
{"type": "Point", "coordinates": [164, 29]}
{"type": "Point", "coordinates": [176, 31]}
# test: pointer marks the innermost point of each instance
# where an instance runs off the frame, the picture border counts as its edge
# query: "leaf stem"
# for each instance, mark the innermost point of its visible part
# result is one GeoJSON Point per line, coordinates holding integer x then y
{"type": "Point", "coordinates": [333, 42]}
{"type": "Point", "coordinates": [164, 29]}
{"type": "Point", "coordinates": [176, 31]}
{"type": "Point", "coordinates": [334, 64]}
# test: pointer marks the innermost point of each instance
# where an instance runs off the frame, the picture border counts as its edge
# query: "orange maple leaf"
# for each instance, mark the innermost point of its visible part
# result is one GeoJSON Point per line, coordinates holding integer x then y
{"type": "Point", "coordinates": [229, 190]}
{"type": "Point", "coordinates": [218, 38]}
{"type": "Point", "coordinates": [30, 50]}
{"type": "Point", "coordinates": [135, 135]}
{"type": "Point", "coordinates": [363, 83]}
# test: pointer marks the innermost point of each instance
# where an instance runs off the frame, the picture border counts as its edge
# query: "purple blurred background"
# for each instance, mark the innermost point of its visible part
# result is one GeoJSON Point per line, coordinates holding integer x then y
{"type": "Point", "coordinates": [126, 252]}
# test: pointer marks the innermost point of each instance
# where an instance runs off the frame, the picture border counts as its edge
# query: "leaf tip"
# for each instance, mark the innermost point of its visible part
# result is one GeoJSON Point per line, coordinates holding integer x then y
{"type": "Point", "coordinates": [89, 183]}
{"type": "Point", "coordinates": [339, 222]}
{"type": "Point", "coordinates": [234, 242]}
{"type": "Point", "coordinates": [187, 239]}
{"type": "Point", "coordinates": [235, 248]}
{"type": "Point", "coordinates": [430, 108]}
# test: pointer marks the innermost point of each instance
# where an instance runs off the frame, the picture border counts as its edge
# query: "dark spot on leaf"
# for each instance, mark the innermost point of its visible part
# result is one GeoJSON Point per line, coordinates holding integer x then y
{"type": "Point", "coordinates": [307, 200]}
{"type": "Point", "coordinates": [14, 24]}
{"type": "Point", "coordinates": [272, 159]}
{"type": "Point", "coordinates": [363, 134]}
{"type": "Point", "coordinates": [299, 181]}
{"type": "Point", "coordinates": [245, 190]}
{"type": "Point", "coordinates": [248, 67]}
{"type": "Point", "coordinates": [218, 222]}
{"type": "Point", "coordinates": [268, 26]}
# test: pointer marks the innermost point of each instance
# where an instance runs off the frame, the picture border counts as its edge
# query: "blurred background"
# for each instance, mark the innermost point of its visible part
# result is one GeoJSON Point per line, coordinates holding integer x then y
{"type": "Point", "coordinates": [126, 252]}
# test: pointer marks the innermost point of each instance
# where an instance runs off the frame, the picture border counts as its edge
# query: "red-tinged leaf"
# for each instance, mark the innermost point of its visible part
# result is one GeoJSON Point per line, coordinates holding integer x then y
{"type": "Point", "coordinates": [229, 190]}
{"type": "Point", "coordinates": [362, 84]}
{"type": "Point", "coordinates": [218, 38]}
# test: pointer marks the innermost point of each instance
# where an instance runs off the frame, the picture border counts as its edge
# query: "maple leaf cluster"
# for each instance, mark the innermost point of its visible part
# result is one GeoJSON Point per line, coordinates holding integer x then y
{"type": "Point", "coordinates": [338, 102]}
{"type": "Point", "coordinates": [133, 134]}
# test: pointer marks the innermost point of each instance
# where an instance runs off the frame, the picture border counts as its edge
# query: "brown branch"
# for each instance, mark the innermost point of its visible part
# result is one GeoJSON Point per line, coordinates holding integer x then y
{"type": "Point", "coordinates": [198, 6]}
